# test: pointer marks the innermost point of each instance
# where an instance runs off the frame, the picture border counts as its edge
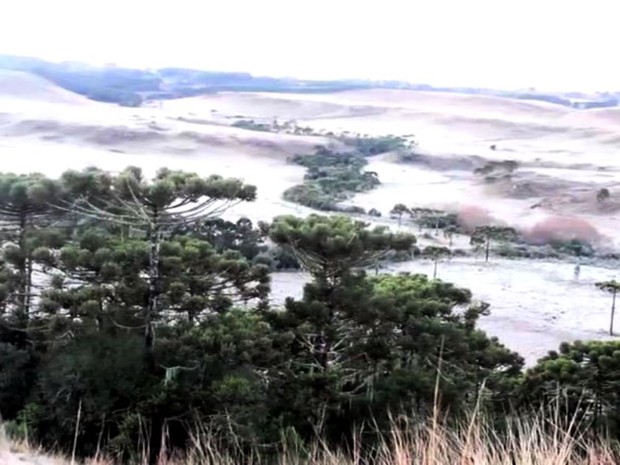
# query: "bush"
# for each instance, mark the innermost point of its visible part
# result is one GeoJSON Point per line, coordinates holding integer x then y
{"type": "Point", "coordinates": [351, 209]}
{"type": "Point", "coordinates": [252, 125]}
{"type": "Point", "coordinates": [312, 195]}
{"type": "Point", "coordinates": [574, 247]}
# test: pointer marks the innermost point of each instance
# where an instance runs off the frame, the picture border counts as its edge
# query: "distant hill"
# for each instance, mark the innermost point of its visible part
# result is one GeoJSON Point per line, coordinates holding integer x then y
{"type": "Point", "coordinates": [27, 86]}
{"type": "Point", "coordinates": [130, 87]}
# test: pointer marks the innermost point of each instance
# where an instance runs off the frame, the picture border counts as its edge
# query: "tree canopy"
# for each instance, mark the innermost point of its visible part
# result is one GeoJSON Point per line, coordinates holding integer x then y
{"type": "Point", "coordinates": [132, 300]}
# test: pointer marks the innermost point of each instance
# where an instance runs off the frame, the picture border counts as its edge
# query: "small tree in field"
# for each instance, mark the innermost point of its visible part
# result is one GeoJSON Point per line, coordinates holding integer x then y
{"type": "Point", "coordinates": [398, 211]}
{"type": "Point", "coordinates": [435, 254]}
{"type": "Point", "coordinates": [483, 235]}
{"type": "Point", "coordinates": [612, 287]}
{"type": "Point", "coordinates": [448, 233]}
{"type": "Point", "coordinates": [602, 195]}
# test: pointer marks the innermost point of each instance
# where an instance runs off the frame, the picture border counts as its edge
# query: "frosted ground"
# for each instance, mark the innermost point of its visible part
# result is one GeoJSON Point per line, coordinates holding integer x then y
{"type": "Point", "coordinates": [566, 156]}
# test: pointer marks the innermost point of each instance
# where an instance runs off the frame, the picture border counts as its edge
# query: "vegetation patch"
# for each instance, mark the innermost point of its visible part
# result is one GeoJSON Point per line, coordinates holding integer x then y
{"type": "Point", "coordinates": [151, 319]}
{"type": "Point", "coordinates": [252, 125]}
{"type": "Point", "coordinates": [331, 177]}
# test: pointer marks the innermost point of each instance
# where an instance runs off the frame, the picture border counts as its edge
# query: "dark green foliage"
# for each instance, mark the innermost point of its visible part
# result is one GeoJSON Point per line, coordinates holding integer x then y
{"type": "Point", "coordinates": [313, 196]}
{"type": "Point", "coordinates": [332, 177]}
{"type": "Point", "coordinates": [431, 218]}
{"type": "Point", "coordinates": [331, 246]}
{"type": "Point", "coordinates": [374, 145]}
{"type": "Point", "coordinates": [482, 237]}
{"type": "Point", "coordinates": [252, 125]}
{"type": "Point", "coordinates": [351, 351]}
{"type": "Point", "coordinates": [365, 347]}
{"type": "Point", "coordinates": [574, 247]}
{"type": "Point", "coordinates": [583, 379]}
{"type": "Point", "coordinates": [497, 168]}
{"type": "Point", "coordinates": [25, 206]}
{"type": "Point", "coordinates": [224, 235]}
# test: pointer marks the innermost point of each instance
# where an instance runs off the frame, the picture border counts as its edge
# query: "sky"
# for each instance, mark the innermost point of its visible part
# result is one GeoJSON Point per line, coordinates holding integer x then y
{"type": "Point", "coordinates": [546, 44]}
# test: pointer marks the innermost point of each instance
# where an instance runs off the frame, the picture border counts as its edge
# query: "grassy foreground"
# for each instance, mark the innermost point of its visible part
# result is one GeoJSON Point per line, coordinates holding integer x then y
{"type": "Point", "coordinates": [535, 441]}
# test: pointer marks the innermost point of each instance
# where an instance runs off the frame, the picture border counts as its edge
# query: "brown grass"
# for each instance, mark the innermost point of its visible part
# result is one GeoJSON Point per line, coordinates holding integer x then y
{"type": "Point", "coordinates": [535, 441]}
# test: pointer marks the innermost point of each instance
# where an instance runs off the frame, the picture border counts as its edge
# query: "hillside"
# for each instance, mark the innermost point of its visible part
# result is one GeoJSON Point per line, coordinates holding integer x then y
{"type": "Point", "coordinates": [18, 85]}
{"type": "Point", "coordinates": [262, 332]}
{"type": "Point", "coordinates": [566, 155]}
{"type": "Point", "coordinates": [131, 87]}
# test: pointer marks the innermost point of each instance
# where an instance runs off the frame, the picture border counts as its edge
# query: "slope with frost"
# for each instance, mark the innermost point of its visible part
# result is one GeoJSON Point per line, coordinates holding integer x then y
{"type": "Point", "coordinates": [18, 85]}
{"type": "Point", "coordinates": [567, 156]}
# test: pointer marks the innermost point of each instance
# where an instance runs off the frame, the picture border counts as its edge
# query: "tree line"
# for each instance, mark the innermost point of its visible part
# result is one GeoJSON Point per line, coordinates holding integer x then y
{"type": "Point", "coordinates": [130, 300]}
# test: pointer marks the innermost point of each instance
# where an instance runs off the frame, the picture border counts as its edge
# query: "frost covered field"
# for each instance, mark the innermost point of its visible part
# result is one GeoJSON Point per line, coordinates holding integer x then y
{"type": "Point", "coordinates": [566, 156]}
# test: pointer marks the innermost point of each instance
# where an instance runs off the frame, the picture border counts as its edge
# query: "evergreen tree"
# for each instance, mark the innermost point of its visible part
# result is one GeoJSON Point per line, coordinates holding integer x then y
{"type": "Point", "coordinates": [399, 210]}
{"type": "Point", "coordinates": [25, 206]}
{"type": "Point", "coordinates": [435, 253]}
{"type": "Point", "coordinates": [484, 235]}
{"type": "Point", "coordinates": [158, 206]}
{"type": "Point", "coordinates": [581, 379]}
{"type": "Point", "coordinates": [612, 287]}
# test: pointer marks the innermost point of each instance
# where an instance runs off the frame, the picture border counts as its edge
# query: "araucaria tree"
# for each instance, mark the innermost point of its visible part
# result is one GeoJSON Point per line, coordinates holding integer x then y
{"type": "Point", "coordinates": [484, 235]}
{"type": "Point", "coordinates": [25, 207]}
{"type": "Point", "coordinates": [330, 247]}
{"type": "Point", "coordinates": [435, 253]}
{"type": "Point", "coordinates": [581, 381]}
{"type": "Point", "coordinates": [612, 287]}
{"type": "Point", "coordinates": [353, 342]}
{"type": "Point", "coordinates": [399, 210]}
{"type": "Point", "coordinates": [156, 207]}
{"type": "Point", "coordinates": [334, 250]}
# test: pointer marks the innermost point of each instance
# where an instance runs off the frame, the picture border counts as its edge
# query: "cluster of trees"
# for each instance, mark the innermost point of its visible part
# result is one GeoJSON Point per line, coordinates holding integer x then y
{"type": "Point", "coordinates": [252, 125]}
{"type": "Point", "coordinates": [494, 171]}
{"type": "Point", "coordinates": [288, 127]}
{"type": "Point", "coordinates": [331, 178]}
{"type": "Point", "coordinates": [129, 300]}
{"type": "Point", "coordinates": [428, 218]}
{"type": "Point", "coordinates": [505, 241]}
{"type": "Point", "coordinates": [368, 145]}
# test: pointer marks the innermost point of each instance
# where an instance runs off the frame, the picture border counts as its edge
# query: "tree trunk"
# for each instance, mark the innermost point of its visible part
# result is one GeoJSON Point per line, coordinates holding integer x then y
{"type": "Point", "coordinates": [153, 293]}
{"type": "Point", "coordinates": [156, 422]}
{"type": "Point", "coordinates": [486, 249]}
{"type": "Point", "coordinates": [613, 311]}
{"type": "Point", "coordinates": [435, 268]}
{"type": "Point", "coordinates": [22, 311]}
{"type": "Point", "coordinates": [28, 296]}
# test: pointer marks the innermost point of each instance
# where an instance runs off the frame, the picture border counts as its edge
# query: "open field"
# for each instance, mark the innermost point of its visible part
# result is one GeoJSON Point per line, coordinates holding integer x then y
{"type": "Point", "coordinates": [566, 156]}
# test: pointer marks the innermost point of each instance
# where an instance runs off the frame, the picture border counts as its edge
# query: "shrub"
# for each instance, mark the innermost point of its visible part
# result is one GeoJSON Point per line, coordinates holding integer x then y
{"type": "Point", "coordinates": [251, 125]}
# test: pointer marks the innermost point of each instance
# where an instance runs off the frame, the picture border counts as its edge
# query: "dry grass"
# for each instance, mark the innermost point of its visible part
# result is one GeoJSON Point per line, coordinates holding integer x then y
{"type": "Point", "coordinates": [535, 441]}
